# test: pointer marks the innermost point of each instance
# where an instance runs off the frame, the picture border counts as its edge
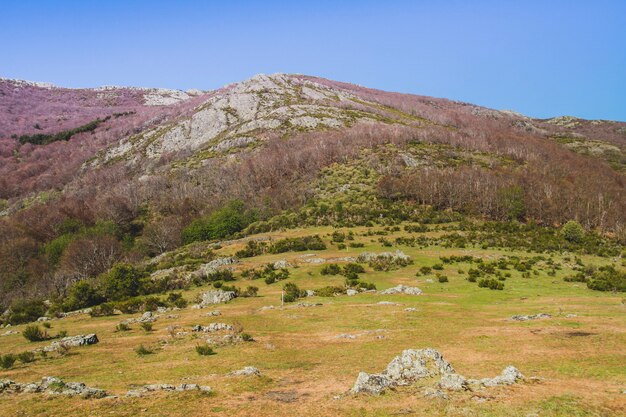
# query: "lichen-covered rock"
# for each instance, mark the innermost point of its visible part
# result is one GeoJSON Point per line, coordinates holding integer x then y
{"type": "Point", "coordinates": [453, 382]}
{"type": "Point", "coordinates": [72, 341]}
{"type": "Point", "coordinates": [521, 317]}
{"type": "Point", "coordinates": [370, 256]}
{"type": "Point", "coordinates": [217, 264]}
{"type": "Point", "coordinates": [213, 327]}
{"type": "Point", "coordinates": [246, 371]}
{"type": "Point", "coordinates": [216, 297]}
{"type": "Point", "coordinates": [52, 386]}
{"type": "Point", "coordinates": [509, 376]}
{"type": "Point", "coordinates": [371, 383]}
{"type": "Point", "coordinates": [414, 364]}
{"type": "Point", "coordinates": [402, 289]}
{"type": "Point", "coordinates": [282, 264]}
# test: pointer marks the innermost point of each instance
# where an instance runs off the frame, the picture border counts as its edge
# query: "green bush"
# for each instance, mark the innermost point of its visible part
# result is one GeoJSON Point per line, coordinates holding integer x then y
{"type": "Point", "coordinates": [142, 350]}
{"type": "Point", "coordinates": [34, 334]}
{"type": "Point", "coordinates": [81, 295]}
{"type": "Point", "coordinates": [607, 278]}
{"type": "Point", "coordinates": [204, 350]}
{"type": "Point", "coordinates": [247, 337]}
{"type": "Point", "coordinates": [122, 327]}
{"type": "Point", "coordinates": [426, 270]}
{"type": "Point", "coordinates": [146, 327]}
{"type": "Point", "coordinates": [7, 361]}
{"type": "Point", "coordinates": [438, 267]}
{"type": "Point", "coordinates": [573, 232]}
{"type": "Point", "coordinates": [104, 309]}
{"type": "Point", "coordinates": [492, 284]}
{"type": "Point", "coordinates": [250, 291]}
{"type": "Point", "coordinates": [298, 244]}
{"type": "Point", "coordinates": [331, 269]}
{"type": "Point", "coordinates": [228, 220]}
{"type": "Point", "coordinates": [26, 357]}
{"type": "Point", "coordinates": [292, 292]}
{"type": "Point", "coordinates": [442, 278]}
{"type": "Point", "coordinates": [25, 311]}
{"type": "Point", "coordinates": [329, 291]}
{"type": "Point", "coordinates": [124, 281]}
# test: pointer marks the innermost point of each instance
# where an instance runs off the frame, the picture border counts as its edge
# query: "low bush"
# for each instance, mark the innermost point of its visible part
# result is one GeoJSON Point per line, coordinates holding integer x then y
{"type": "Point", "coordinates": [492, 284]}
{"type": "Point", "coordinates": [142, 350]}
{"type": "Point", "coordinates": [122, 327]}
{"type": "Point", "coordinates": [34, 334]}
{"type": "Point", "coordinates": [147, 327]}
{"type": "Point", "coordinates": [442, 278]}
{"type": "Point", "coordinates": [26, 357]}
{"type": "Point", "coordinates": [292, 292]}
{"type": "Point", "coordinates": [204, 350]}
{"type": "Point", "coordinates": [7, 361]}
{"type": "Point", "coordinates": [104, 309]}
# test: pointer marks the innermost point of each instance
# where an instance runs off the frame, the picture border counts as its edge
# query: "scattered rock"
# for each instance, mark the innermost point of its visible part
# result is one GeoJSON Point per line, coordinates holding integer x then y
{"type": "Point", "coordinates": [215, 297]}
{"type": "Point", "coordinates": [10, 332]}
{"type": "Point", "coordinates": [72, 341]}
{"type": "Point", "coordinates": [282, 264]}
{"type": "Point", "coordinates": [168, 388]}
{"type": "Point", "coordinates": [387, 303]}
{"type": "Point", "coordinates": [350, 292]}
{"type": "Point", "coordinates": [303, 304]}
{"type": "Point", "coordinates": [520, 317]}
{"type": "Point", "coordinates": [40, 319]}
{"type": "Point", "coordinates": [370, 256]}
{"type": "Point", "coordinates": [402, 289]}
{"type": "Point", "coordinates": [217, 264]}
{"type": "Point", "coordinates": [52, 386]}
{"type": "Point", "coordinates": [213, 313]}
{"type": "Point", "coordinates": [413, 365]}
{"type": "Point", "coordinates": [213, 327]}
{"type": "Point", "coordinates": [410, 309]}
{"type": "Point", "coordinates": [346, 336]}
{"type": "Point", "coordinates": [310, 293]}
{"type": "Point", "coordinates": [246, 371]}
{"type": "Point", "coordinates": [434, 393]}
{"type": "Point", "coordinates": [267, 308]}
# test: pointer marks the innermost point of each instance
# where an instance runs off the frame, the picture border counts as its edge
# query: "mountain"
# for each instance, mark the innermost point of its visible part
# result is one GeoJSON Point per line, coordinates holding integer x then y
{"type": "Point", "coordinates": [338, 227]}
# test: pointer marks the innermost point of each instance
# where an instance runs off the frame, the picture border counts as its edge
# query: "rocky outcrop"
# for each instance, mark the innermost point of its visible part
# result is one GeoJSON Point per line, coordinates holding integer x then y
{"type": "Point", "coordinates": [520, 317]}
{"type": "Point", "coordinates": [246, 371]}
{"type": "Point", "coordinates": [215, 297]}
{"type": "Point", "coordinates": [151, 388]}
{"type": "Point", "coordinates": [213, 327]}
{"type": "Point", "coordinates": [402, 289]}
{"type": "Point", "coordinates": [425, 364]}
{"type": "Point", "coordinates": [72, 341]}
{"type": "Point", "coordinates": [52, 386]}
{"type": "Point", "coordinates": [371, 256]}
{"type": "Point", "coordinates": [217, 264]}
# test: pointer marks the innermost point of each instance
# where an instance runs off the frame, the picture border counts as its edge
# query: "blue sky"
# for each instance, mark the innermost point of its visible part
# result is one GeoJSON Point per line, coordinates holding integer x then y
{"type": "Point", "coordinates": [542, 58]}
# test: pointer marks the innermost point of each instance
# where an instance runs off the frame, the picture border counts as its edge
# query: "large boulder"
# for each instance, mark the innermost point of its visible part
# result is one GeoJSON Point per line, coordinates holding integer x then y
{"type": "Point", "coordinates": [72, 341]}
{"type": "Point", "coordinates": [509, 376]}
{"type": "Point", "coordinates": [371, 383]}
{"type": "Point", "coordinates": [216, 297]}
{"type": "Point", "coordinates": [402, 289]}
{"type": "Point", "coordinates": [217, 264]}
{"type": "Point", "coordinates": [213, 327]}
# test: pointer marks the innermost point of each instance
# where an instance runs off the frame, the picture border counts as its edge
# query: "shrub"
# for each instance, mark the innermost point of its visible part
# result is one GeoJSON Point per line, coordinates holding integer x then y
{"type": "Point", "coordinates": [250, 291]}
{"type": "Point", "coordinates": [81, 295]}
{"type": "Point", "coordinates": [442, 278]}
{"type": "Point", "coordinates": [122, 327]}
{"type": "Point", "coordinates": [338, 236]}
{"type": "Point", "coordinates": [329, 291]}
{"type": "Point", "coordinates": [573, 232]}
{"type": "Point", "coordinates": [292, 292]}
{"type": "Point", "coordinates": [142, 350]}
{"type": "Point", "coordinates": [61, 334]}
{"type": "Point", "coordinates": [46, 324]}
{"type": "Point", "coordinates": [134, 305]}
{"type": "Point", "coordinates": [607, 278]}
{"type": "Point", "coordinates": [492, 284]}
{"type": "Point", "coordinates": [356, 245]}
{"type": "Point", "coordinates": [331, 269]}
{"type": "Point", "coordinates": [253, 248]}
{"type": "Point", "coordinates": [25, 311]}
{"type": "Point", "coordinates": [247, 337]}
{"type": "Point", "coordinates": [438, 267]}
{"type": "Point", "coordinates": [176, 300]}
{"type": "Point", "coordinates": [226, 221]}
{"type": "Point", "coordinates": [426, 270]}
{"type": "Point", "coordinates": [26, 357]}
{"type": "Point", "coordinates": [204, 350]}
{"type": "Point", "coordinates": [104, 309]}
{"type": "Point", "coordinates": [298, 244]}
{"type": "Point", "coordinates": [124, 281]}
{"type": "Point", "coordinates": [352, 268]}
{"type": "Point", "coordinates": [146, 327]}
{"type": "Point", "coordinates": [34, 334]}
{"type": "Point", "coordinates": [7, 361]}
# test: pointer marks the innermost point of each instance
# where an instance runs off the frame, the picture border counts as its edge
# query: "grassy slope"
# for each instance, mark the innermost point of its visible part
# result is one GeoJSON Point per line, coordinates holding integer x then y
{"type": "Point", "coordinates": [300, 356]}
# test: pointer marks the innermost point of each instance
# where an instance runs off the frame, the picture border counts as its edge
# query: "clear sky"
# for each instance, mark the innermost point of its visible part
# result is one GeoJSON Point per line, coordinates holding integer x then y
{"type": "Point", "coordinates": [542, 58]}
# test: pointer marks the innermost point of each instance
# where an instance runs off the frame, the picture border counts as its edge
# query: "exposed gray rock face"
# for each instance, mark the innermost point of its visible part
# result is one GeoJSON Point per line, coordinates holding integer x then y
{"type": "Point", "coordinates": [215, 297]}
{"type": "Point", "coordinates": [217, 264]}
{"type": "Point", "coordinates": [167, 388]}
{"type": "Point", "coordinates": [370, 256]}
{"type": "Point", "coordinates": [282, 264]}
{"type": "Point", "coordinates": [72, 341]}
{"type": "Point", "coordinates": [402, 289]}
{"type": "Point", "coordinates": [52, 386]}
{"type": "Point", "coordinates": [509, 376]}
{"type": "Point", "coordinates": [147, 317]}
{"type": "Point", "coordinates": [350, 292]}
{"type": "Point", "coordinates": [213, 327]}
{"type": "Point", "coordinates": [246, 371]}
{"type": "Point", "coordinates": [416, 364]}
{"type": "Point", "coordinates": [520, 317]}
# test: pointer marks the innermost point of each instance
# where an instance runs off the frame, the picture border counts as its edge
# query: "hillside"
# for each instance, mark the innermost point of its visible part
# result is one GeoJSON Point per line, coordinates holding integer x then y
{"type": "Point", "coordinates": [297, 205]}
